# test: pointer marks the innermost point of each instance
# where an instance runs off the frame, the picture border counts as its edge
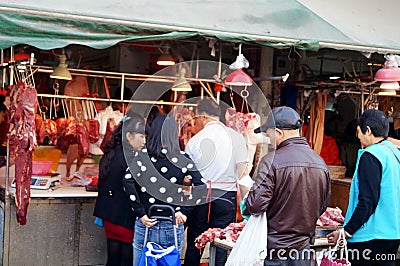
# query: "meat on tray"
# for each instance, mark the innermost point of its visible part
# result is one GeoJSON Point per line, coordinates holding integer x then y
{"type": "Point", "coordinates": [331, 217]}
{"type": "Point", "coordinates": [232, 232]}
{"type": "Point", "coordinates": [22, 136]}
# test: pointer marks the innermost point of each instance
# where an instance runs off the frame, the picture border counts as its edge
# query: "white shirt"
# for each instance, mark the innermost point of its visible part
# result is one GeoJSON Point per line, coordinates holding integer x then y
{"type": "Point", "coordinates": [216, 150]}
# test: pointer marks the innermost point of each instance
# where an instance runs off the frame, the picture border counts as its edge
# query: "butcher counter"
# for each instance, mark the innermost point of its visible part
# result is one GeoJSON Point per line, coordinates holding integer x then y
{"type": "Point", "coordinates": [59, 229]}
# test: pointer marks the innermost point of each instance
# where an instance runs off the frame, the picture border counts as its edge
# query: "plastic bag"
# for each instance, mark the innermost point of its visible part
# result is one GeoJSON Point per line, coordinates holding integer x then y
{"type": "Point", "coordinates": [99, 222]}
{"type": "Point", "coordinates": [330, 258]}
{"type": "Point", "coordinates": [255, 232]}
{"type": "Point", "coordinates": [155, 255]}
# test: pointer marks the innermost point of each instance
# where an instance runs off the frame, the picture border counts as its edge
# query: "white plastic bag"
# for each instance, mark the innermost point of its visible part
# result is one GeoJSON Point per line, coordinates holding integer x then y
{"type": "Point", "coordinates": [251, 247]}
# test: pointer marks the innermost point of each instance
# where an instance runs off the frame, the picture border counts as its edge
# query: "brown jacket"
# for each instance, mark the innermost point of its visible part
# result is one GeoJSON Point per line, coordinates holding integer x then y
{"type": "Point", "coordinates": [294, 191]}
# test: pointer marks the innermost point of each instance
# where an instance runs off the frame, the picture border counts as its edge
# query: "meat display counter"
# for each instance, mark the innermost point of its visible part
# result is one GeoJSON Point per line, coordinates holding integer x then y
{"type": "Point", "coordinates": [60, 227]}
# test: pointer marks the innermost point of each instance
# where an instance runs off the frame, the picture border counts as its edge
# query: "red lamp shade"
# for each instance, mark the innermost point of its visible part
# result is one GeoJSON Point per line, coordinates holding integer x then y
{"type": "Point", "coordinates": [388, 74]}
{"type": "Point", "coordinates": [238, 78]}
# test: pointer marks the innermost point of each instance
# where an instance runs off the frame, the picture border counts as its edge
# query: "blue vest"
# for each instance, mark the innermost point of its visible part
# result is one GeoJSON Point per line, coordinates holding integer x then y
{"type": "Point", "coordinates": [384, 223]}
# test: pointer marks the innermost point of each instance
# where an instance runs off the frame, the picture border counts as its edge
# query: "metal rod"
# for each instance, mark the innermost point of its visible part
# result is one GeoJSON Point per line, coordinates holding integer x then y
{"type": "Point", "coordinates": [205, 89]}
{"type": "Point", "coordinates": [113, 100]}
{"type": "Point", "coordinates": [118, 75]}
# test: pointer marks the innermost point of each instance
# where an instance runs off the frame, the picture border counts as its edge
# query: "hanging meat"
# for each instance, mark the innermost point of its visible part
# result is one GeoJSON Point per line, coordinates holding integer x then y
{"type": "Point", "coordinates": [22, 136]}
{"type": "Point", "coordinates": [83, 140]}
{"type": "Point", "coordinates": [71, 131]}
{"type": "Point", "coordinates": [40, 130]}
{"type": "Point", "coordinates": [94, 130]}
{"type": "Point", "coordinates": [78, 86]}
{"type": "Point", "coordinates": [77, 143]}
{"type": "Point", "coordinates": [61, 142]}
{"type": "Point", "coordinates": [51, 131]}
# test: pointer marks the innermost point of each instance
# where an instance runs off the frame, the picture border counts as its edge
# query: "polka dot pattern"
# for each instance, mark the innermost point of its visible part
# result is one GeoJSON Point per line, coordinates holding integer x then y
{"type": "Point", "coordinates": [152, 200]}
{"type": "Point", "coordinates": [173, 179]}
{"type": "Point", "coordinates": [184, 170]}
{"type": "Point", "coordinates": [143, 168]}
{"type": "Point", "coordinates": [164, 169]}
{"type": "Point", "coordinates": [174, 160]}
{"type": "Point", "coordinates": [153, 179]}
{"type": "Point", "coordinates": [190, 166]}
{"type": "Point", "coordinates": [170, 199]}
{"type": "Point", "coordinates": [143, 189]}
{"type": "Point", "coordinates": [128, 176]}
{"type": "Point", "coordinates": [132, 197]}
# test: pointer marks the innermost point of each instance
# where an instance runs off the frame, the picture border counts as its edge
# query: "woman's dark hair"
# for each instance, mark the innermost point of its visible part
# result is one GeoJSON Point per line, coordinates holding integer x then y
{"type": "Point", "coordinates": [163, 133]}
{"type": "Point", "coordinates": [133, 124]}
{"type": "Point", "coordinates": [208, 107]}
{"type": "Point", "coordinates": [376, 121]}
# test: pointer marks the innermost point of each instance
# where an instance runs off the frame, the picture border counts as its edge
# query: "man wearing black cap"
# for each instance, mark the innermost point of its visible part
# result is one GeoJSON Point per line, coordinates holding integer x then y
{"type": "Point", "coordinates": [292, 186]}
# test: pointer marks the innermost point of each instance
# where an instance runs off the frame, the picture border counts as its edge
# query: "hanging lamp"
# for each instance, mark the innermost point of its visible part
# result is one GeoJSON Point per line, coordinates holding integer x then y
{"type": "Point", "coordinates": [389, 76]}
{"type": "Point", "coordinates": [239, 77]}
{"type": "Point", "coordinates": [61, 72]}
{"type": "Point", "coordinates": [181, 84]}
{"type": "Point", "coordinates": [165, 59]}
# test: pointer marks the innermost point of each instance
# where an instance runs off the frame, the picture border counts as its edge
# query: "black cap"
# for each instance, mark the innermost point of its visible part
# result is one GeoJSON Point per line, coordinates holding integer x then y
{"type": "Point", "coordinates": [281, 117]}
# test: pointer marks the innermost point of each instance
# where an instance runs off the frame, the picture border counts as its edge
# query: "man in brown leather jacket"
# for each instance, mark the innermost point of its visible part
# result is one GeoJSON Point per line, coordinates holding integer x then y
{"type": "Point", "coordinates": [293, 186]}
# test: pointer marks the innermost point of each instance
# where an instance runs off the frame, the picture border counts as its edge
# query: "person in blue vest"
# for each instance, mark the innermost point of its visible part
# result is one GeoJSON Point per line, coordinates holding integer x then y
{"type": "Point", "coordinates": [372, 222]}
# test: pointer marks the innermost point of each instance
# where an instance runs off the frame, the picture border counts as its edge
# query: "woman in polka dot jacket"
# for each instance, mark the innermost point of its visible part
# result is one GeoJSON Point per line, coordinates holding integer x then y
{"type": "Point", "coordinates": [112, 203]}
{"type": "Point", "coordinates": [155, 176]}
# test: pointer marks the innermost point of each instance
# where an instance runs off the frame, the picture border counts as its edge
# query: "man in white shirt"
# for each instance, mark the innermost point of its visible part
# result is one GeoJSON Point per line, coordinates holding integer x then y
{"type": "Point", "coordinates": [220, 154]}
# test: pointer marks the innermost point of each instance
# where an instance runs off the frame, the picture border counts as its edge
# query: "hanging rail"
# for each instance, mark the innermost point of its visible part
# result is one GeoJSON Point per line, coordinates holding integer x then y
{"type": "Point", "coordinates": [119, 75]}
{"type": "Point", "coordinates": [113, 100]}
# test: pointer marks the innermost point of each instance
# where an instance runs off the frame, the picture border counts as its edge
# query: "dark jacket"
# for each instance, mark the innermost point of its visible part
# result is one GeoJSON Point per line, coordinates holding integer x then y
{"type": "Point", "coordinates": [112, 203]}
{"type": "Point", "coordinates": [294, 190]}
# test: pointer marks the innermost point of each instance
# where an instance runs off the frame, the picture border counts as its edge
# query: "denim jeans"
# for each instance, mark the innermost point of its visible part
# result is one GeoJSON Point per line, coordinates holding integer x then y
{"type": "Point", "coordinates": [162, 233]}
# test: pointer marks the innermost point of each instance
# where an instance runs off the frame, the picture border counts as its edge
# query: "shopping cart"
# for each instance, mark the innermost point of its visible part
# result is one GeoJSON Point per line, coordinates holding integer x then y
{"type": "Point", "coordinates": [154, 254]}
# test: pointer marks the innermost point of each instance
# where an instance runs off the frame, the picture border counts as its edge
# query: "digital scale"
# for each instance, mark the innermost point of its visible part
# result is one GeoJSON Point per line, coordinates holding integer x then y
{"type": "Point", "coordinates": [42, 181]}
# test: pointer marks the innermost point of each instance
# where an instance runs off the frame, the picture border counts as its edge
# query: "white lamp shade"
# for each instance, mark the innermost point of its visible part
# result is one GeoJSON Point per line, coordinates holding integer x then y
{"type": "Point", "coordinates": [394, 85]}
{"type": "Point", "coordinates": [61, 72]}
{"type": "Point", "coordinates": [181, 84]}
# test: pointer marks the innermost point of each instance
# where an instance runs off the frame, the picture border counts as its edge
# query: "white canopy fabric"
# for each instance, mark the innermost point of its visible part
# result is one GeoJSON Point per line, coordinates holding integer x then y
{"type": "Point", "coordinates": [306, 24]}
{"type": "Point", "coordinates": [366, 22]}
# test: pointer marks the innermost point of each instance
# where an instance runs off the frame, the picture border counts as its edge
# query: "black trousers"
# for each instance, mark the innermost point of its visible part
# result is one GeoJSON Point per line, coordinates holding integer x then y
{"type": "Point", "coordinates": [223, 212]}
{"type": "Point", "coordinates": [119, 253]}
{"type": "Point", "coordinates": [374, 252]}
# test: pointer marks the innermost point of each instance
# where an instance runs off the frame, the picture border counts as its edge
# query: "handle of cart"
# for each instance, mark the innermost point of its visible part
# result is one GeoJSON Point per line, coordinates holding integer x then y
{"type": "Point", "coordinates": [162, 213]}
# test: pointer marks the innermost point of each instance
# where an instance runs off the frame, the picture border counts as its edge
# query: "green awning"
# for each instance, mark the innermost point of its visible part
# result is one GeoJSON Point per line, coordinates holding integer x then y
{"type": "Point", "coordinates": [48, 24]}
